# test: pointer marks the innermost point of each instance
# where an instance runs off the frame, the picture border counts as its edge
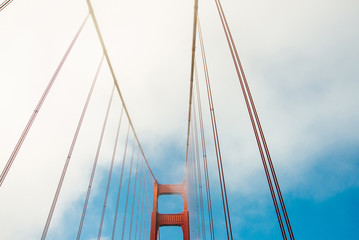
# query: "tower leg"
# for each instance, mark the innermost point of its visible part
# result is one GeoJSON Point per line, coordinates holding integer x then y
{"type": "Point", "coordinates": [154, 227]}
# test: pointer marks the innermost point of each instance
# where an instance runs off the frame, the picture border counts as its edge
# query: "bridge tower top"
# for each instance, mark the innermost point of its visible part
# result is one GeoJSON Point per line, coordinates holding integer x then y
{"type": "Point", "coordinates": [173, 219]}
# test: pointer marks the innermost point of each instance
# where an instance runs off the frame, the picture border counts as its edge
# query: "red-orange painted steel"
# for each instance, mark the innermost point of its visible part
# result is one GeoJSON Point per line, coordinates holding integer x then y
{"type": "Point", "coordinates": [173, 219]}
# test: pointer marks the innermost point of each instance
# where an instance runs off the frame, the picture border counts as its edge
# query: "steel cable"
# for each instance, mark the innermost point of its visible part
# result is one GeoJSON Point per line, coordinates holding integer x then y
{"type": "Point", "coordinates": [5, 4]}
{"type": "Point", "coordinates": [109, 176]}
{"type": "Point", "coordinates": [128, 191]}
{"type": "Point", "coordinates": [143, 202]}
{"type": "Point", "coordinates": [274, 176]}
{"type": "Point", "coordinates": [59, 186]}
{"type": "Point", "coordinates": [194, 35]}
{"type": "Point", "coordinates": [38, 106]}
{"type": "Point", "coordinates": [134, 196]}
{"type": "Point", "coordinates": [216, 141]}
{"type": "Point", "coordinates": [120, 185]}
{"type": "Point", "coordinates": [251, 107]}
{"type": "Point", "coordinates": [204, 151]}
{"type": "Point", "coordinates": [195, 177]}
{"type": "Point", "coordinates": [199, 172]}
{"type": "Point", "coordinates": [140, 196]}
{"type": "Point", "coordinates": [116, 82]}
{"type": "Point", "coordinates": [94, 166]}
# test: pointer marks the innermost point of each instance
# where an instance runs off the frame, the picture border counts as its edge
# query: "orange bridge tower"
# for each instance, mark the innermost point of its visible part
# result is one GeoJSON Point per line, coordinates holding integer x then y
{"type": "Point", "coordinates": [173, 219]}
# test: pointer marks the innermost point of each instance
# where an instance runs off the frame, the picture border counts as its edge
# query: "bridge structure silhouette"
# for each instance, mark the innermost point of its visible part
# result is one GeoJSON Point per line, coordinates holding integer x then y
{"type": "Point", "coordinates": [136, 214]}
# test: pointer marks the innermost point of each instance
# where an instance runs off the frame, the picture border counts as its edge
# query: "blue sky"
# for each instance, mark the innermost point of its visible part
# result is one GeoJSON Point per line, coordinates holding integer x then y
{"type": "Point", "coordinates": [301, 61]}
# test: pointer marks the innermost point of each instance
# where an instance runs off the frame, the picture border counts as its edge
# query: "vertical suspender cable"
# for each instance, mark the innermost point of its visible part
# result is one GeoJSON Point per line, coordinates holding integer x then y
{"type": "Point", "coordinates": [194, 170]}
{"type": "Point", "coordinates": [134, 195]}
{"type": "Point", "coordinates": [144, 216]}
{"type": "Point", "coordinates": [194, 183]}
{"type": "Point", "coordinates": [128, 190]}
{"type": "Point", "coordinates": [94, 167]}
{"type": "Point", "coordinates": [147, 208]}
{"type": "Point", "coordinates": [143, 200]}
{"type": "Point", "coordinates": [109, 176]}
{"type": "Point", "coordinates": [204, 151]}
{"type": "Point", "coordinates": [194, 175]}
{"type": "Point", "coordinates": [150, 188]}
{"type": "Point", "coordinates": [190, 184]}
{"type": "Point", "coordinates": [216, 141]}
{"type": "Point", "coordinates": [59, 186]}
{"type": "Point", "coordinates": [140, 196]}
{"type": "Point", "coordinates": [38, 107]}
{"type": "Point", "coordinates": [119, 185]}
{"type": "Point", "coordinates": [199, 173]}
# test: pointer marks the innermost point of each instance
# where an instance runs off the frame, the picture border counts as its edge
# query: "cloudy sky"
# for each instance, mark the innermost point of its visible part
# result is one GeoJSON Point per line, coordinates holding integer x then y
{"type": "Point", "coordinates": [301, 59]}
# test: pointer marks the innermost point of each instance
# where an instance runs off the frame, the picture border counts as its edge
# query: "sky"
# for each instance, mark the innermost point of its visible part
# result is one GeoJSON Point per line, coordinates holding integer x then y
{"type": "Point", "coordinates": [301, 60]}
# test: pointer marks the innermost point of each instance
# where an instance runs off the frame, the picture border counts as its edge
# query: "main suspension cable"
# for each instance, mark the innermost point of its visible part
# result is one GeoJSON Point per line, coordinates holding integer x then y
{"type": "Point", "coordinates": [39, 104]}
{"type": "Point", "coordinates": [191, 77]}
{"type": "Point", "coordinates": [5, 4]}
{"type": "Point", "coordinates": [251, 107]}
{"type": "Point", "coordinates": [116, 82]}
{"type": "Point", "coordinates": [269, 159]}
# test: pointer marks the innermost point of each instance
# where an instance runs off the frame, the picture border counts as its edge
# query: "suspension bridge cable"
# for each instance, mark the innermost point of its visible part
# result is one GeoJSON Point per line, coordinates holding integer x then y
{"type": "Point", "coordinates": [119, 185]}
{"type": "Point", "coordinates": [59, 186]}
{"type": "Point", "coordinates": [204, 151]}
{"type": "Point", "coordinates": [38, 106]}
{"type": "Point", "coordinates": [142, 231]}
{"type": "Point", "coordinates": [270, 184]}
{"type": "Point", "coordinates": [143, 200]}
{"type": "Point", "coordinates": [150, 188]}
{"type": "Point", "coordinates": [194, 169]}
{"type": "Point", "coordinates": [258, 142]}
{"type": "Point", "coordinates": [109, 176]}
{"type": "Point", "coordinates": [139, 198]}
{"type": "Point", "coordinates": [216, 141]}
{"type": "Point", "coordinates": [190, 189]}
{"type": "Point", "coordinates": [251, 106]}
{"type": "Point", "coordinates": [199, 172]}
{"type": "Point", "coordinates": [195, 177]}
{"type": "Point", "coordinates": [191, 76]}
{"type": "Point", "coordinates": [134, 195]}
{"type": "Point", "coordinates": [4, 4]}
{"type": "Point", "coordinates": [193, 186]}
{"type": "Point", "coordinates": [115, 81]}
{"type": "Point", "coordinates": [269, 159]}
{"type": "Point", "coordinates": [95, 165]}
{"type": "Point", "coordinates": [128, 191]}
